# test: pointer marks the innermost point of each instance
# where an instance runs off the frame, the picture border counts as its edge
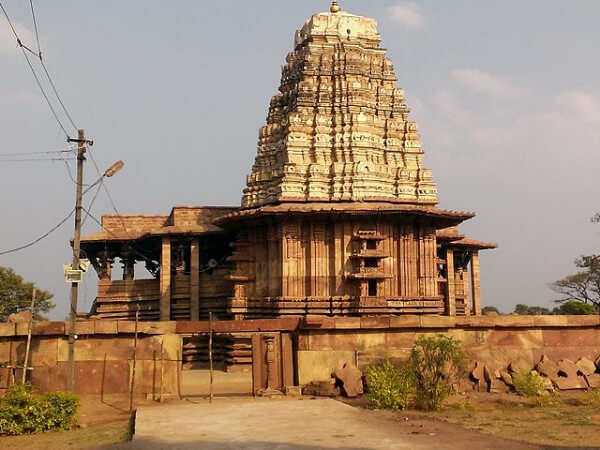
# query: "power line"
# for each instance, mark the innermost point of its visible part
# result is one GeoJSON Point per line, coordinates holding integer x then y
{"type": "Point", "coordinates": [48, 152]}
{"type": "Point", "coordinates": [115, 236]}
{"type": "Point", "coordinates": [23, 48]}
{"type": "Point", "coordinates": [35, 159]}
{"type": "Point", "coordinates": [54, 228]}
{"type": "Point", "coordinates": [37, 37]}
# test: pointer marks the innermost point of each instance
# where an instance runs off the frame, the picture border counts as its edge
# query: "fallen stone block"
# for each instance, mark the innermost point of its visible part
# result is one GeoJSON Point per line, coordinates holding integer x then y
{"type": "Point", "coordinates": [519, 366]}
{"type": "Point", "coordinates": [547, 367]}
{"type": "Point", "coordinates": [567, 377]}
{"type": "Point", "coordinates": [351, 378]}
{"type": "Point", "coordinates": [585, 366]}
{"type": "Point", "coordinates": [506, 377]}
{"type": "Point", "coordinates": [478, 375]}
{"type": "Point", "coordinates": [593, 380]}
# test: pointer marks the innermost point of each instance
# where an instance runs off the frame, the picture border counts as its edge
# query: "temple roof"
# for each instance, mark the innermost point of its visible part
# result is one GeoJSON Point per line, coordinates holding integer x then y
{"type": "Point", "coordinates": [452, 236]}
{"type": "Point", "coordinates": [339, 128]}
{"type": "Point", "coordinates": [181, 220]}
{"type": "Point", "coordinates": [446, 217]}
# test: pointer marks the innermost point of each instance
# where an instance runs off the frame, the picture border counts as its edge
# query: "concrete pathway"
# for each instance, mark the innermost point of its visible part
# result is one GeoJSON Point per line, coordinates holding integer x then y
{"type": "Point", "coordinates": [293, 424]}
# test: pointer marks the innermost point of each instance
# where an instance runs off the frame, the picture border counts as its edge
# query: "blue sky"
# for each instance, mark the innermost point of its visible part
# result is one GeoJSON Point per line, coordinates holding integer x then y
{"type": "Point", "coordinates": [507, 95]}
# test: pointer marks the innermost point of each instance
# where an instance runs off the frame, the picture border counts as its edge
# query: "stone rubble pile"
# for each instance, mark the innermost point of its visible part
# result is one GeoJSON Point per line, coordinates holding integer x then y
{"type": "Point", "coordinates": [562, 375]}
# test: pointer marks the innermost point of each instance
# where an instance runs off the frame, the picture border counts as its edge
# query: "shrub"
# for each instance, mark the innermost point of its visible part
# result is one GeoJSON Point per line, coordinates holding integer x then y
{"type": "Point", "coordinates": [23, 410]}
{"type": "Point", "coordinates": [390, 386]}
{"type": "Point", "coordinates": [591, 397]}
{"type": "Point", "coordinates": [436, 363]}
{"type": "Point", "coordinates": [531, 384]}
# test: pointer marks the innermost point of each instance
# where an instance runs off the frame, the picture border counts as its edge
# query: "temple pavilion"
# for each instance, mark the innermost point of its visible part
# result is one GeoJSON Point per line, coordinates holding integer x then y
{"type": "Point", "coordinates": [339, 215]}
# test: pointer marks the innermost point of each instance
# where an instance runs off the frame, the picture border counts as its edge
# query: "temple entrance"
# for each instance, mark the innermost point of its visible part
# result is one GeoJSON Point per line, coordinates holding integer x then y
{"type": "Point", "coordinates": [244, 364]}
{"type": "Point", "coordinates": [231, 361]}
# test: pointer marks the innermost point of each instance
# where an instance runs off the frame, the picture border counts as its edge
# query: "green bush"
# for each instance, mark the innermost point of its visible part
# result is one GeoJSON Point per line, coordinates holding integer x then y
{"type": "Point", "coordinates": [437, 362]}
{"type": "Point", "coordinates": [531, 384]}
{"type": "Point", "coordinates": [390, 386]}
{"type": "Point", "coordinates": [23, 410]}
{"type": "Point", "coordinates": [591, 397]}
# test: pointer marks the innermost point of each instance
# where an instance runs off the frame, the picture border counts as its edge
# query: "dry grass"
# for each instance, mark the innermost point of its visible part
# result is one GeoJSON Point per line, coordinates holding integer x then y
{"type": "Point", "coordinates": [92, 436]}
{"type": "Point", "coordinates": [566, 422]}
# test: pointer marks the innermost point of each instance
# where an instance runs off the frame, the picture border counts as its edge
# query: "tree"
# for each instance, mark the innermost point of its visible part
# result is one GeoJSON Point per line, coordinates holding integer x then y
{"type": "Point", "coordinates": [583, 286]}
{"type": "Point", "coordinates": [489, 309]}
{"type": "Point", "coordinates": [526, 310]}
{"type": "Point", "coordinates": [15, 294]}
{"type": "Point", "coordinates": [575, 308]}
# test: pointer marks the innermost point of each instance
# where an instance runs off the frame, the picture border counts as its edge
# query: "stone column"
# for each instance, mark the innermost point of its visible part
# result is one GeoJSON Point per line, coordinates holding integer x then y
{"type": "Point", "coordinates": [475, 283]}
{"type": "Point", "coordinates": [450, 293]}
{"type": "Point", "coordinates": [128, 265]}
{"type": "Point", "coordinates": [165, 279]}
{"type": "Point", "coordinates": [194, 280]}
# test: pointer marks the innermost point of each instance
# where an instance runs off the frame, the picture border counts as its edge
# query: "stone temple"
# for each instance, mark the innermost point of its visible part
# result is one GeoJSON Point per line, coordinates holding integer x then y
{"type": "Point", "coordinates": [339, 215]}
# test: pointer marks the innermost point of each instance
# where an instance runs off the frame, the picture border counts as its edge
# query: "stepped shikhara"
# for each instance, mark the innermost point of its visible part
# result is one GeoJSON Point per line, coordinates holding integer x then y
{"type": "Point", "coordinates": [339, 215]}
{"type": "Point", "coordinates": [339, 128]}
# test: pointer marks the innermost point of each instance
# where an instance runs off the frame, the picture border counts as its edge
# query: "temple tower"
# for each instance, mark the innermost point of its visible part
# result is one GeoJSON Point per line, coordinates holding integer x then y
{"type": "Point", "coordinates": [338, 215]}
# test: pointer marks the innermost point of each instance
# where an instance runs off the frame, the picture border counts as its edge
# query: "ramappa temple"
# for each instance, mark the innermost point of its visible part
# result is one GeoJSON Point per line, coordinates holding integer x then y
{"type": "Point", "coordinates": [339, 215]}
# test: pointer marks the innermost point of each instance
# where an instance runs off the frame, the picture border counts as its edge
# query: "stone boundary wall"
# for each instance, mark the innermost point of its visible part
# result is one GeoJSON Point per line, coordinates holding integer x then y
{"type": "Point", "coordinates": [104, 348]}
{"type": "Point", "coordinates": [494, 341]}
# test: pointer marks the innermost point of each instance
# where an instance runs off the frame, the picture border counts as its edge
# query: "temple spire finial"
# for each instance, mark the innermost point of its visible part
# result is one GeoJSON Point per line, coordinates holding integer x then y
{"type": "Point", "coordinates": [334, 7]}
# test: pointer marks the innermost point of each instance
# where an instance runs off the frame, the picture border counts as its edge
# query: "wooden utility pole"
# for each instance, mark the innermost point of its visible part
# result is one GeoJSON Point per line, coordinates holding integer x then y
{"type": "Point", "coordinates": [210, 355]}
{"type": "Point", "coordinates": [29, 330]}
{"type": "Point", "coordinates": [75, 266]}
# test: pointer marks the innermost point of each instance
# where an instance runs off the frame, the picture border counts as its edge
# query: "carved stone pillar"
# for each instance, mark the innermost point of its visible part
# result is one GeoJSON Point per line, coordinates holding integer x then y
{"type": "Point", "coordinates": [271, 363]}
{"type": "Point", "coordinates": [450, 292]}
{"type": "Point", "coordinates": [194, 280]}
{"type": "Point", "coordinates": [165, 279]}
{"type": "Point", "coordinates": [128, 264]}
{"type": "Point", "coordinates": [105, 266]}
{"type": "Point", "coordinates": [475, 283]}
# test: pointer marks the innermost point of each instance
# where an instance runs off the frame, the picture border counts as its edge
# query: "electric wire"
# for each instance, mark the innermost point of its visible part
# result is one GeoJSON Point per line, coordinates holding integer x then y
{"type": "Point", "coordinates": [37, 37]}
{"type": "Point", "coordinates": [24, 50]}
{"type": "Point", "coordinates": [35, 159]}
{"type": "Point", "coordinates": [48, 233]}
{"type": "Point", "coordinates": [47, 152]}
{"type": "Point", "coordinates": [91, 216]}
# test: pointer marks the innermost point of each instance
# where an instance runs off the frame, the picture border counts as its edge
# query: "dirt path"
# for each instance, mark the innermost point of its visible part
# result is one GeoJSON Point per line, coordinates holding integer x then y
{"type": "Point", "coordinates": [295, 424]}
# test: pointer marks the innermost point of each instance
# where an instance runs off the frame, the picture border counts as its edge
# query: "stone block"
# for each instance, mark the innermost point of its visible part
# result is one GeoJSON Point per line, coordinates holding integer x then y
{"type": "Point", "coordinates": [593, 380]}
{"type": "Point", "coordinates": [408, 321]}
{"type": "Point", "coordinates": [515, 321]}
{"type": "Point", "coordinates": [319, 365]}
{"type": "Point", "coordinates": [105, 327]}
{"type": "Point", "coordinates": [583, 321]}
{"type": "Point", "coordinates": [585, 366]}
{"type": "Point", "coordinates": [571, 337]}
{"type": "Point", "coordinates": [437, 322]}
{"type": "Point", "coordinates": [550, 321]}
{"type": "Point", "coordinates": [7, 329]}
{"type": "Point", "coordinates": [375, 322]}
{"type": "Point", "coordinates": [547, 367]}
{"type": "Point", "coordinates": [49, 328]}
{"type": "Point", "coordinates": [126, 326]}
{"type": "Point", "coordinates": [519, 366]}
{"type": "Point", "coordinates": [347, 322]}
{"type": "Point", "coordinates": [44, 352]}
{"type": "Point", "coordinates": [158, 327]}
{"type": "Point", "coordinates": [84, 327]}
{"type": "Point", "coordinates": [475, 321]}
{"type": "Point", "coordinates": [22, 328]}
{"type": "Point", "coordinates": [351, 379]}
{"type": "Point", "coordinates": [520, 338]}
